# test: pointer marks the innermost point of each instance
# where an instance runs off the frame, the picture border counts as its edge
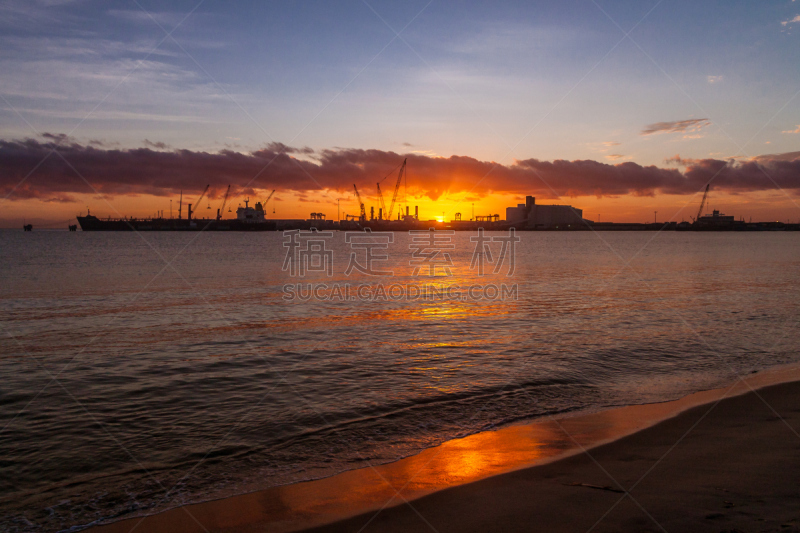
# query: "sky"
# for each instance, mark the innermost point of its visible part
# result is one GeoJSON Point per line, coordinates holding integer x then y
{"type": "Point", "coordinates": [621, 108]}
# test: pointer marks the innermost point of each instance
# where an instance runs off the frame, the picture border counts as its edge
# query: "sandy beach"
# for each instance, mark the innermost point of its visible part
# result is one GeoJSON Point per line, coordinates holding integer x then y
{"type": "Point", "coordinates": [736, 469]}
{"type": "Point", "coordinates": [729, 461]}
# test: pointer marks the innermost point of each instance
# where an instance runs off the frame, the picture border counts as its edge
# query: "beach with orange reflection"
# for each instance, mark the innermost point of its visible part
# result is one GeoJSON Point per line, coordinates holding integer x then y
{"type": "Point", "coordinates": [382, 491]}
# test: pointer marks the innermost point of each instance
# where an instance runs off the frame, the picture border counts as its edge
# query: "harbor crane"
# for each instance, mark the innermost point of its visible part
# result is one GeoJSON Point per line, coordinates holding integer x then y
{"type": "Point", "coordinates": [202, 195]}
{"type": "Point", "coordinates": [362, 212]}
{"type": "Point", "coordinates": [702, 203]}
{"type": "Point", "coordinates": [381, 205]}
{"type": "Point", "coordinates": [396, 189]}
{"type": "Point", "coordinates": [224, 201]}
{"type": "Point", "coordinates": [268, 199]}
{"type": "Point", "coordinates": [198, 201]}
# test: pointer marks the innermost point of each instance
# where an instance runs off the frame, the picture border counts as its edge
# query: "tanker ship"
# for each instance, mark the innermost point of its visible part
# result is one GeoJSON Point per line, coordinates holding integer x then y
{"type": "Point", "coordinates": [247, 219]}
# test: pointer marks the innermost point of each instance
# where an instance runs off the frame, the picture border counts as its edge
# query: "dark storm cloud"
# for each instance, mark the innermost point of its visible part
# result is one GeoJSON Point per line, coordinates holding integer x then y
{"type": "Point", "coordinates": [280, 147]}
{"type": "Point", "coordinates": [677, 126]}
{"type": "Point", "coordinates": [112, 172]}
{"type": "Point", "coordinates": [157, 145]}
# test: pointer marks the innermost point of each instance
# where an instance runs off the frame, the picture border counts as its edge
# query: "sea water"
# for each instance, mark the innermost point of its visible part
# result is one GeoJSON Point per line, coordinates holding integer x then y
{"type": "Point", "coordinates": [139, 372]}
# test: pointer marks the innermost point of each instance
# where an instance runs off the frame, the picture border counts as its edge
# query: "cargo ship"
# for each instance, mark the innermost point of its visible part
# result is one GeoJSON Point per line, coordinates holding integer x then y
{"type": "Point", "coordinates": [247, 219]}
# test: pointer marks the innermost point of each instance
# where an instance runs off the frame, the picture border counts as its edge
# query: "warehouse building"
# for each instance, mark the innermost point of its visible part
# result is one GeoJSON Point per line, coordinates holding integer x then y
{"type": "Point", "coordinates": [532, 216]}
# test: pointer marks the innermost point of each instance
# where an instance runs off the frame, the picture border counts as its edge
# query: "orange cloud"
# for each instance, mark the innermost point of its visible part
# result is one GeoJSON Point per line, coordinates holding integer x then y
{"type": "Point", "coordinates": [87, 169]}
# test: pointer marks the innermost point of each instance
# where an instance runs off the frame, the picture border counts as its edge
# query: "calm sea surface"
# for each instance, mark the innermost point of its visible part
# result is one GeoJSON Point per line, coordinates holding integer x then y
{"type": "Point", "coordinates": [140, 372]}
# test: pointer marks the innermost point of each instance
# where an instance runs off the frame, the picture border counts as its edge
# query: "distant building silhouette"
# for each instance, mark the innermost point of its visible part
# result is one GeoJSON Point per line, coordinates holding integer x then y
{"type": "Point", "coordinates": [531, 216]}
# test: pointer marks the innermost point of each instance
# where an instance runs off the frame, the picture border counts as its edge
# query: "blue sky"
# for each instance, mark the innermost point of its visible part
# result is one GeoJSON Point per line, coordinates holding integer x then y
{"type": "Point", "coordinates": [544, 80]}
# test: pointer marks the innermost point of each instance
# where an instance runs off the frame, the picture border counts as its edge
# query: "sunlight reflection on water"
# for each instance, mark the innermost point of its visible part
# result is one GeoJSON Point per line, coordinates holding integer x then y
{"type": "Point", "coordinates": [209, 357]}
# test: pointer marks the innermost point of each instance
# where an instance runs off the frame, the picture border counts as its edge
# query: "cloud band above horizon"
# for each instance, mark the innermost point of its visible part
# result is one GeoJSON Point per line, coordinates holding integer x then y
{"type": "Point", "coordinates": [144, 171]}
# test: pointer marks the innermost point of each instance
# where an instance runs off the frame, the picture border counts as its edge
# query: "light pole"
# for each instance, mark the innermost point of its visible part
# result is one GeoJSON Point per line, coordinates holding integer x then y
{"type": "Point", "coordinates": [655, 217]}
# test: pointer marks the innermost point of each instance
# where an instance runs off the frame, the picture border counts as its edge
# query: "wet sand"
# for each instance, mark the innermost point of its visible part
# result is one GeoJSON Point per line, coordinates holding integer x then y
{"type": "Point", "coordinates": [726, 462]}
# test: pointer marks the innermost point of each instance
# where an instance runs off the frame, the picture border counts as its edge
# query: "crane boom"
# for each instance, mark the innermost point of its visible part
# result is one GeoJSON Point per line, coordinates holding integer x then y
{"type": "Point", "coordinates": [224, 201]}
{"type": "Point", "coordinates": [703, 202]}
{"type": "Point", "coordinates": [267, 200]}
{"type": "Point", "coordinates": [197, 202]}
{"type": "Point", "coordinates": [397, 188]}
{"type": "Point", "coordinates": [363, 212]}
{"type": "Point", "coordinates": [202, 196]}
{"type": "Point", "coordinates": [380, 203]}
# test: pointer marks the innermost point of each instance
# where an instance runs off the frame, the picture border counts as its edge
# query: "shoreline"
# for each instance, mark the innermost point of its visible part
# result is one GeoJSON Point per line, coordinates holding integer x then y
{"type": "Point", "coordinates": [464, 464]}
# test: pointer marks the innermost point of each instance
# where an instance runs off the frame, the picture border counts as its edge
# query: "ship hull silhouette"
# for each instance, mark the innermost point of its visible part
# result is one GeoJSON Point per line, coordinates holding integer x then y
{"type": "Point", "coordinates": [93, 223]}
